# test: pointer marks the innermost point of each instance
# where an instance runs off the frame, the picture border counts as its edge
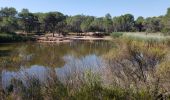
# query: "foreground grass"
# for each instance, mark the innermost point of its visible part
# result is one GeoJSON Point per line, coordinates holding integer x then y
{"type": "Point", "coordinates": [149, 36]}
{"type": "Point", "coordinates": [135, 70]}
{"type": "Point", "coordinates": [142, 37]}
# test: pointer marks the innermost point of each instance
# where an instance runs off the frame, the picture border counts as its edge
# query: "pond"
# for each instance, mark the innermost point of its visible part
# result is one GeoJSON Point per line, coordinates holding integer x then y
{"type": "Point", "coordinates": [20, 60]}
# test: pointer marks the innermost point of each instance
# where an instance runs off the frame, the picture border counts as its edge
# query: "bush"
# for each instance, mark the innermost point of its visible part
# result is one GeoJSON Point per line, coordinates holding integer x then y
{"type": "Point", "coordinates": [134, 64]}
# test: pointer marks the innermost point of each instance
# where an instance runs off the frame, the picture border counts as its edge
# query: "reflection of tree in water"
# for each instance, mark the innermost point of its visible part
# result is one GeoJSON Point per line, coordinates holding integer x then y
{"type": "Point", "coordinates": [14, 56]}
{"type": "Point", "coordinates": [4, 53]}
{"type": "Point", "coordinates": [24, 74]}
{"type": "Point", "coordinates": [82, 48]}
{"type": "Point", "coordinates": [72, 66]}
{"type": "Point", "coordinates": [77, 67]}
{"type": "Point", "coordinates": [51, 55]}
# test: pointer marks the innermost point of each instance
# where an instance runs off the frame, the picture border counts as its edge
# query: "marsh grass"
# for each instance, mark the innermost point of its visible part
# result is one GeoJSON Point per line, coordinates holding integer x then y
{"type": "Point", "coordinates": [134, 64]}
{"type": "Point", "coordinates": [150, 37]}
{"type": "Point", "coordinates": [135, 70]}
{"type": "Point", "coordinates": [117, 34]}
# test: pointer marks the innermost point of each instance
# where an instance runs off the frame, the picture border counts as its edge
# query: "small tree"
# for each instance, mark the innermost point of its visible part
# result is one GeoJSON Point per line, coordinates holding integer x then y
{"type": "Point", "coordinates": [53, 19]}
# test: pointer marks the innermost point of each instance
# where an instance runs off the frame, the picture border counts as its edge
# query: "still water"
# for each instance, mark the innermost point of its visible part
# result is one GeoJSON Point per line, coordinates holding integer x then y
{"type": "Point", "coordinates": [36, 59]}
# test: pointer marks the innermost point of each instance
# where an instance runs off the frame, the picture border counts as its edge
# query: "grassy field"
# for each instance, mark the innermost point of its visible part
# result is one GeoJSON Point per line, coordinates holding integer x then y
{"type": "Point", "coordinates": [142, 36]}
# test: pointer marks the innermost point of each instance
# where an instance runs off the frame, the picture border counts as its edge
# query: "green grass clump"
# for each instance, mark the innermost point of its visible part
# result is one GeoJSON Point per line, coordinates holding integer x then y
{"type": "Point", "coordinates": [117, 34]}
{"type": "Point", "coordinates": [146, 37]}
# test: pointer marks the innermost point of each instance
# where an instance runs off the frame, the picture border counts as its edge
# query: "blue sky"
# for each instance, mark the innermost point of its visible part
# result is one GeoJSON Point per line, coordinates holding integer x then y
{"type": "Point", "coordinates": [97, 8]}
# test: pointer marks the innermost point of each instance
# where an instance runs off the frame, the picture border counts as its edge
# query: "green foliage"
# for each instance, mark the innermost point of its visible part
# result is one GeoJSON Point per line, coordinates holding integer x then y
{"type": "Point", "coordinates": [97, 25]}
{"type": "Point", "coordinates": [28, 21]}
{"type": "Point", "coordinates": [107, 23]}
{"type": "Point", "coordinates": [56, 22]}
{"type": "Point", "coordinates": [8, 12]}
{"type": "Point", "coordinates": [139, 23]}
{"type": "Point", "coordinates": [166, 22]}
{"type": "Point", "coordinates": [153, 24]}
{"type": "Point", "coordinates": [8, 22]}
{"type": "Point", "coordinates": [86, 25]}
{"type": "Point", "coordinates": [74, 23]}
{"type": "Point", "coordinates": [123, 23]}
{"type": "Point", "coordinates": [52, 19]}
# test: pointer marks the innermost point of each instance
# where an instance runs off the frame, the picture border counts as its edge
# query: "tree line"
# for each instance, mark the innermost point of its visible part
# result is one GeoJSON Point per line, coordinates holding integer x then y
{"type": "Point", "coordinates": [56, 22]}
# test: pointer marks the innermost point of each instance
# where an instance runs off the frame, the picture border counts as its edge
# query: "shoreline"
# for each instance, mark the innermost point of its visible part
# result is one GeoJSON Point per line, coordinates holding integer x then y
{"type": "Point", "coordinates": [43, 39]}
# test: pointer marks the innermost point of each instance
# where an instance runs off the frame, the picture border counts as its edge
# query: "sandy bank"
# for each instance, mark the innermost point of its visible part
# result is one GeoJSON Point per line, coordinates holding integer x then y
{"type": "Point", "coordinates": [61, 39]}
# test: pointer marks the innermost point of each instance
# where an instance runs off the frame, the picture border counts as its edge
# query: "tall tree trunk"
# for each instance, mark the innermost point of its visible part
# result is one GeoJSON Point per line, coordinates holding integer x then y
{"type": "Point", "coordinates": [53, 34]}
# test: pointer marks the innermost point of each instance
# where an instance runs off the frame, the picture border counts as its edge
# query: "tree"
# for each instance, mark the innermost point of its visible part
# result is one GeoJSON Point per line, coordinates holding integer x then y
{"type": "Point", "coordinates": [8, 24]}
{"type": "Point", "coordinates": [168, 12]}
{"type": "Point", "coordinates": [41, 22]}
{"type": "Point", "coordinates": [52, 19]}
{"type": "Point", "coordinates": [97, 25]}
{"type": "Point", "coordinates": [61, 28]}
{"type": "Point", "coordinates": [28, 21]}
{"type": "Point", "coordinates": [139, 24]}
{"type": "Point", "coordinates": [128, 24]}
{"type": "Point", "coordinates": [74, 23]}
{"type": "Point", "coordinates": [117, 24]}
{"type": "Point", "coordinates": [86, 24]}
{"type": "Point", "coordinates": [11, 21]}
{"type": "Point", "coordinates": [123, 23]}
{"type": "Point", "coordinates": [107, 23]}
{"type": "Point", "coordinates": [8, 12]}
{"type": "Point", "coordinates": [166, 21]}
{"type": "Point", "coordinates": [8, 21]}
{"type": "Point", "coordinates": [153, 24]}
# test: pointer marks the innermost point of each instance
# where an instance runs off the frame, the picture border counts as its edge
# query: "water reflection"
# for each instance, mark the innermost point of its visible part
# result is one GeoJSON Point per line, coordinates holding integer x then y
{"type": "Point", "coordinates": [38, 72]}
{"type": "Point", "coordinates": [79, 66]}
{"type": "Point", "coordinates": [22, 61]}
{"type": "Point", "coordinates": [50, 55]}
{"type": "Point", "coordinates": [72, 65]}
